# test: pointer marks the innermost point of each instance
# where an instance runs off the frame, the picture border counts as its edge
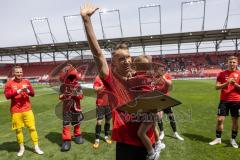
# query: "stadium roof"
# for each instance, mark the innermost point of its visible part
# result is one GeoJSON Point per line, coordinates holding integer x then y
{"type": "Point", "coordinates": [164, 39]}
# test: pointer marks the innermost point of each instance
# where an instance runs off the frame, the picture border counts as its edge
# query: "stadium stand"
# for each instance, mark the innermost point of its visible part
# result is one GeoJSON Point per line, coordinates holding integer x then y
{"type": "Point", "coordinates": [185, 65]}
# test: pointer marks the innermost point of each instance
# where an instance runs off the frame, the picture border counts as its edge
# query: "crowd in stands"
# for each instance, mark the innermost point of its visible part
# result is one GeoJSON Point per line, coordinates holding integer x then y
{"type": "Point", "coordinates": [196, 65]}
{"type": "Point", "coordinates": [178, 65]}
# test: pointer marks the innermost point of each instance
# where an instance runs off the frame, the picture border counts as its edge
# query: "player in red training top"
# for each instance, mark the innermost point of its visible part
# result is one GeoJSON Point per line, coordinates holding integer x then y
{"type": "Point", "coordinates": [19, 90]}
{"type": "Point", "coordinates": [228, 81]}
{"type": "Point", "coordinates": [164, 84]}
{"type": "Point", "coordinates": [70, 95]}
{"type": "Point", "coordinates": [124, 132]}
{"type": "Point", "coordinates": [103, 110]}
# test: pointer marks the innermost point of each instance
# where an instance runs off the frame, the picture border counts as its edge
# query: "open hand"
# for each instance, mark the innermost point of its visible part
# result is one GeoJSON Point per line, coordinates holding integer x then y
{"type": "Point", "coordinates": [87, 9]}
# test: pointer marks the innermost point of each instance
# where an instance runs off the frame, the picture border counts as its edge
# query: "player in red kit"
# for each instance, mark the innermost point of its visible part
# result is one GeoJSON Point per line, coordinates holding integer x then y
{"type": "Point", "coordinates": [103, 110]}
{"type": "Point", "coordinates": [70, 95]}
{"type": "Point", "coordinates": [164, 84]}
{"type": "Point", "coordinates": [228, 82]}
{"type": "Point", "coordinates": [128, 146]}
{"type": "Point", "coordinates": [19, 90]}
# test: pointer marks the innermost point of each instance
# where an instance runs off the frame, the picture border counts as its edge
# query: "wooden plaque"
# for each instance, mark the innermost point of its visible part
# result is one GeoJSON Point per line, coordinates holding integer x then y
{"type": "Point", "coordinates": [153, 101]}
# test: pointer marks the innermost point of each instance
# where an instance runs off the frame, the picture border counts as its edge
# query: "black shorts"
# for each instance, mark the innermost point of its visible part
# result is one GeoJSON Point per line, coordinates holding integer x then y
{"type": "Point", "coordinates": [104, 110]}
{"type": "Point", "coordinates": [130, 152]}
{"type": "Point", "coordinates": [224, 108]}
{"type": "Point", "coordinates": [168, 110]}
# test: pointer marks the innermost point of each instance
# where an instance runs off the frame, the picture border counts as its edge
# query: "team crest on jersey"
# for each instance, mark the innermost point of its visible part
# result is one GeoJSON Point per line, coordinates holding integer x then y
{"type": "Point", "coordinates": [235, 75]}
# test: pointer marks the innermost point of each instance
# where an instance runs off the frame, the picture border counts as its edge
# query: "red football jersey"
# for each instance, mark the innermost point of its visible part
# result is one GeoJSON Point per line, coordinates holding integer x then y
{"type": "Point", "coordinates": [162, 86]}
{"type": "Point", "coordinates": [229, 93]}
{"type": "Point", "coordinates": [19, 102]}
{"type": "Point", "coordinates": [140, 83]}
{"type": "Point", "coordinates": [102, 96]}
{"type": "Point", "coordinates": [123, 131]}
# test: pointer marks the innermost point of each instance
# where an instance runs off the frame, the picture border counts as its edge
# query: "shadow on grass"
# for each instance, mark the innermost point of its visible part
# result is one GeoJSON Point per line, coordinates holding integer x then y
{"type": "Point", "coordinates": [12, 147]}
{"type": "Point", "coordinates": [225, 142]}
{"type": "Point", "coordinates": [197, 137]}
{"type": "Point", "coordinates": [90, 137]}
{"type": "Point", "coordinates": [55, 137]}
{"type": "Point", "coordinates": [170, 136]}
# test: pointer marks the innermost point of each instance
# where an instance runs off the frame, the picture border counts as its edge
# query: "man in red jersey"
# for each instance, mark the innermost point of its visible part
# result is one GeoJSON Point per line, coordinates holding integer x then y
{"type": "Point", "coordinates": [128, 146]}
{"type": "Point", "coordinates": [228, 81]}
{"type": "Point", "coordinates": [19, 90]}
{"type": "Point", "coordinates": [164, 84]}
{"type": "Point", "coordinates": [102, 109]}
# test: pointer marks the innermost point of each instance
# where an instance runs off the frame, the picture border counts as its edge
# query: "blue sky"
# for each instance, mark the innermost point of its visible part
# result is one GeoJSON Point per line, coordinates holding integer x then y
{"type": "Point", "coordinates": [15, 15]}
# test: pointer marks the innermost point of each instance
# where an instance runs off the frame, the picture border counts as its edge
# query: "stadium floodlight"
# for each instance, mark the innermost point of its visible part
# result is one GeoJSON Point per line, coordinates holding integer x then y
{"type": "Point", "coordinates": [149, 5]}
{"type": "Point", "coordinates": [226, 20]}
{"type": "Point", "coordinates": [72, 16]}
{"type": "Point", "coordinates": [140, 18]}
{"type": "Point", "coordinates": [228, 9]}
{"type": "Point", "coordinates": [141, 23]}
{"type": "Point", "coordinates": [225, 26]}
{"type": "Point", "coordinates": [108, 11]}
{"type": "Point", "coordinates": [44, 21]}
{"type": "Point", "coordinates": [37, 20]}
{"type": "Point", "coordinates": [104, 11]}
{"type": "Point", "coordinates": [69, 17]}
{"type": "Point", "coordinates": [192, 3]}
{"type": "Point", "coordinates": [70, 30]}
{"type": "Point", "coordinates": [228, 14]}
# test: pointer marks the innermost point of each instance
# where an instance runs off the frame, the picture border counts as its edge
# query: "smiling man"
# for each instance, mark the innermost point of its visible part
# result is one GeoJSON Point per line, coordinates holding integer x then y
{"type": "Point", "coordinates": [128, 146]}
{"type": "Point", "coordinates": [19, 90]}
{"type": "Point", "coordinates": [228, 82]}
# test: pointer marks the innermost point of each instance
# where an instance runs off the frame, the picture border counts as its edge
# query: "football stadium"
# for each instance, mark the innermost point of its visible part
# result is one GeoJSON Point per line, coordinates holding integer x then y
{"type": "Point", "coordinates": [191, 40]}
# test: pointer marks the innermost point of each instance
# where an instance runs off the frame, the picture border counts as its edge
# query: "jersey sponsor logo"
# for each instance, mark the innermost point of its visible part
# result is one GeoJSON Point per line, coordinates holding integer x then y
{"type": "Point", "coordinates": [24, 85]}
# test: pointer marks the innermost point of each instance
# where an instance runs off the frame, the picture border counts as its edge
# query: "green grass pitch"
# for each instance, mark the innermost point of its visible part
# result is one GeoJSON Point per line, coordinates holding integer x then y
{"type": "Point", "coordinates": [196, 119]}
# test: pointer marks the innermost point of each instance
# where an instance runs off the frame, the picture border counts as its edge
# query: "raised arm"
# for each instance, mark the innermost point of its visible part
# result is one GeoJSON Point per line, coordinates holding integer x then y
{"type": "Point", "coordinates": [86, 12]}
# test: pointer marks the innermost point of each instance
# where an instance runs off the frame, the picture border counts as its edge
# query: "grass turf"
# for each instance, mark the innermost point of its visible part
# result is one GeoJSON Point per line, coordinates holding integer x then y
{"type": "Point", "coordinates": [196, 119]}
